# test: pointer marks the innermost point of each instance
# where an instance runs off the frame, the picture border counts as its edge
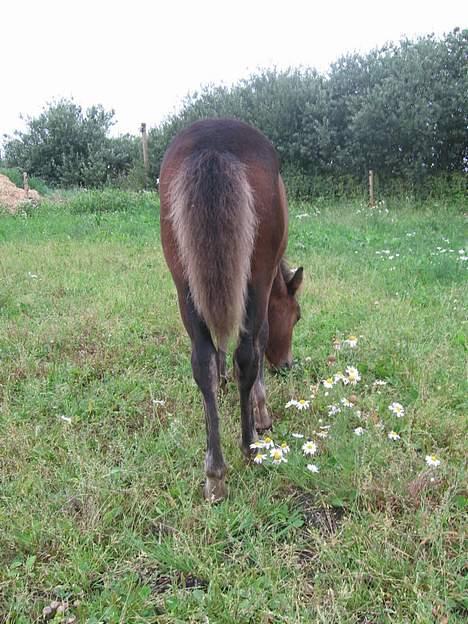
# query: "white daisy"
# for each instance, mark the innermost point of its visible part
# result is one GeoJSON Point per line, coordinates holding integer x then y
{"type": "Point", "coordinates": [397, 409]}
{"type": "Point", "coordinates": [268, 442]}
{"type": "Point", "coordinates": [433, 461]}
{"type": "Point", "coordinates": [353, 375]}
{"type": "Point", "coordinates": [302, 404]}
{"type": "Point", "coordinates": [309, 448]}
{"type": "Point", "coordinates": [297, 435]}
{"type": "Point", "coordinates": [321, 434]}
{"type": "Point", "coordinates": [359, 431]}
{"type": "Point", "coordinates": [313, 468]}
{"type": "Point", "coordinates": [259, 458]}
{"type": "Point", "coordinates": [379, 382]}
{"type": "Point", "coordinates": [258, 444]}
{"type": "Point", "coordinates": [393, 435]}
{"type": "Point", "coordinates": [284, 447]}
{"type": "Point", "coordinates": [338, 377]}
{"type": "Point", "coordinates": [346, 403]}
{"type": "Point", "coordinates": [277, 456]}
{"type": "Point", "coordinates": [351, 341]}
{"type": "Point", "coordinates": [333, 410]}
{"type": "Point", "coordinates": [328, 383]}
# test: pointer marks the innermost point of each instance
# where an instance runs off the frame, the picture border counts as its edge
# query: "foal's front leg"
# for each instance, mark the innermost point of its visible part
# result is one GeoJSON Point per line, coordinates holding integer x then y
{"type": "Point", "coordinates": [205, 373]}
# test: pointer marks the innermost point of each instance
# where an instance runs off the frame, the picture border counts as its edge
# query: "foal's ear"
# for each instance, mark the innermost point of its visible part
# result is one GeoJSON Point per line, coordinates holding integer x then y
{"type": "Point", "coordinates": [295, 281]}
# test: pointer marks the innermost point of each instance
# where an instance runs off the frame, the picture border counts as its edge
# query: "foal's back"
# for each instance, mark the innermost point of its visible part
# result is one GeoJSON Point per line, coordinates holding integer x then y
{"type": "Point", "coordinates": [224, 135]}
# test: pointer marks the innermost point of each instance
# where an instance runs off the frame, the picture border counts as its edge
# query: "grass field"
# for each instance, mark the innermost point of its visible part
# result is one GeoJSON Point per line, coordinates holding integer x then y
{"type": "Point", "coordinates": [102, 435]}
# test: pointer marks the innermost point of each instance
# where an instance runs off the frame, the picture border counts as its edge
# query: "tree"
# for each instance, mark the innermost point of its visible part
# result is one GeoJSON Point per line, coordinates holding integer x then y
{"type": "Point", "coordinates": [68, 147]}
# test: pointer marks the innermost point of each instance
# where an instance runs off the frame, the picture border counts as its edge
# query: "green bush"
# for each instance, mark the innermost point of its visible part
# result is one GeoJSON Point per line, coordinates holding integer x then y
{"type": "Point", "coordinates": [69, 147]}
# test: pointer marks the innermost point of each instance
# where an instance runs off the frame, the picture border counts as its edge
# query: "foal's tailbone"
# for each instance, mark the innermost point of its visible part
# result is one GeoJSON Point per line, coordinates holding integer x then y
{"type": "Point", "coordinates": [213, 215]}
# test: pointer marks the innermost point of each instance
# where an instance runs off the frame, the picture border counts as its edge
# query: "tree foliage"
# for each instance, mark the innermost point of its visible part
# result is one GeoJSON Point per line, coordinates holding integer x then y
{"type": "Point", "coordinates": [399, 110]}
{"type": "Point", "coordinates": [69, 147]}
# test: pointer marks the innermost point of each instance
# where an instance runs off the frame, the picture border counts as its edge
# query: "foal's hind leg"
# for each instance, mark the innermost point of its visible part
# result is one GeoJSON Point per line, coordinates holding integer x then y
{"type": "Point", "coordinates": [205, 373]}
{"type": "Point", "coordinates": [247, 359]}
{"type": "Point", "coordinates": [261, 415]}
{"type": "Point", "coordinates": [222, 374]}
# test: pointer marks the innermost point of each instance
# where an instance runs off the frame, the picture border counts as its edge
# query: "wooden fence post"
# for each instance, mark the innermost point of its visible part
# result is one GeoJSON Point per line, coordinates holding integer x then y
{"type": "Point", "coordinates": [26, 183]}
{"type": "Point", "coordinates": [371, 189]}
{"type": "Point", "coordinates": [144, 143]}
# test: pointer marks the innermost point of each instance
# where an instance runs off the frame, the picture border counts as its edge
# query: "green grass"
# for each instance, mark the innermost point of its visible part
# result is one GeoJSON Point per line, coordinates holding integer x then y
{"type": "Point", "coordinates": [100, 487]}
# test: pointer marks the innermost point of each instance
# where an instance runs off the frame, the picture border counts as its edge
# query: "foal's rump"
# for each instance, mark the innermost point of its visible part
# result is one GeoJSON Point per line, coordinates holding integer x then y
{"type": "Point", "coordinates": [213, 219]}
{"type": "Point", "coordinates": [213, 206]}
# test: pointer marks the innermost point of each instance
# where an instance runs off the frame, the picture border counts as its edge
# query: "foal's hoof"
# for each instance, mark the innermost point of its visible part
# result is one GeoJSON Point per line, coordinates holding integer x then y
{"type": "Point", "coordinates": [263, 424]}
{"type": "Point", "coordinates": [248, 452]}
{"type": "Point", "coordinates": [263, 420]}
{"type": "Point", "coordinates": [214, 489]}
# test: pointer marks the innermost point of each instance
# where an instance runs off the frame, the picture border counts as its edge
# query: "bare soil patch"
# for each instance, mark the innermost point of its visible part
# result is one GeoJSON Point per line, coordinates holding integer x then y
{"type": "Point", "coordinates": [12, 197]}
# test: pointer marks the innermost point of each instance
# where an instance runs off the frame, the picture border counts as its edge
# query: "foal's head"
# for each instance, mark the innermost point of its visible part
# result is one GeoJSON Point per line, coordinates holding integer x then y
{"type": "Point", "coordinates": [283, 314]}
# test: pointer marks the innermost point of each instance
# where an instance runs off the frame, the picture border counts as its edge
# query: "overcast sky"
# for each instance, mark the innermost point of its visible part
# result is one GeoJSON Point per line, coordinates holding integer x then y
{"type": "Point", "coordinates": [140, 57]}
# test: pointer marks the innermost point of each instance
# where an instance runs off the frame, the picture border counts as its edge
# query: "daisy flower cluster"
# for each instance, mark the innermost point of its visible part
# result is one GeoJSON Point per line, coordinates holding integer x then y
{"type": "Point", "coordinates": [270, 452]}
{"type": "Point", "coordinates": [345, 380]}
{"type": "Point", "coordinates": [386, 254]}
{"type": "Point", "coordinates": [266, 448]}
{"type": "Point", "coordinates": [460, 256]}
{"type": "Point", "coordinates": [351, 377]}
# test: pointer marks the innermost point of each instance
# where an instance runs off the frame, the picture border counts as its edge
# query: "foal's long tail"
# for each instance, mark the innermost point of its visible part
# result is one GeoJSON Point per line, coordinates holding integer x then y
{"type": "Point", "coordinates": [213, 216]}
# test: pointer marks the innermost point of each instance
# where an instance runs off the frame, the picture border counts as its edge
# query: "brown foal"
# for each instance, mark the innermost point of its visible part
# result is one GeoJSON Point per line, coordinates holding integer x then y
{"type": "Point", "coordinates": [224, 225]}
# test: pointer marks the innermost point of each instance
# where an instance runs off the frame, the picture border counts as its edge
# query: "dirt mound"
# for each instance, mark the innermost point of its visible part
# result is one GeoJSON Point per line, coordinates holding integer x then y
{"type": "Point", "coordinates": [11, 197]}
